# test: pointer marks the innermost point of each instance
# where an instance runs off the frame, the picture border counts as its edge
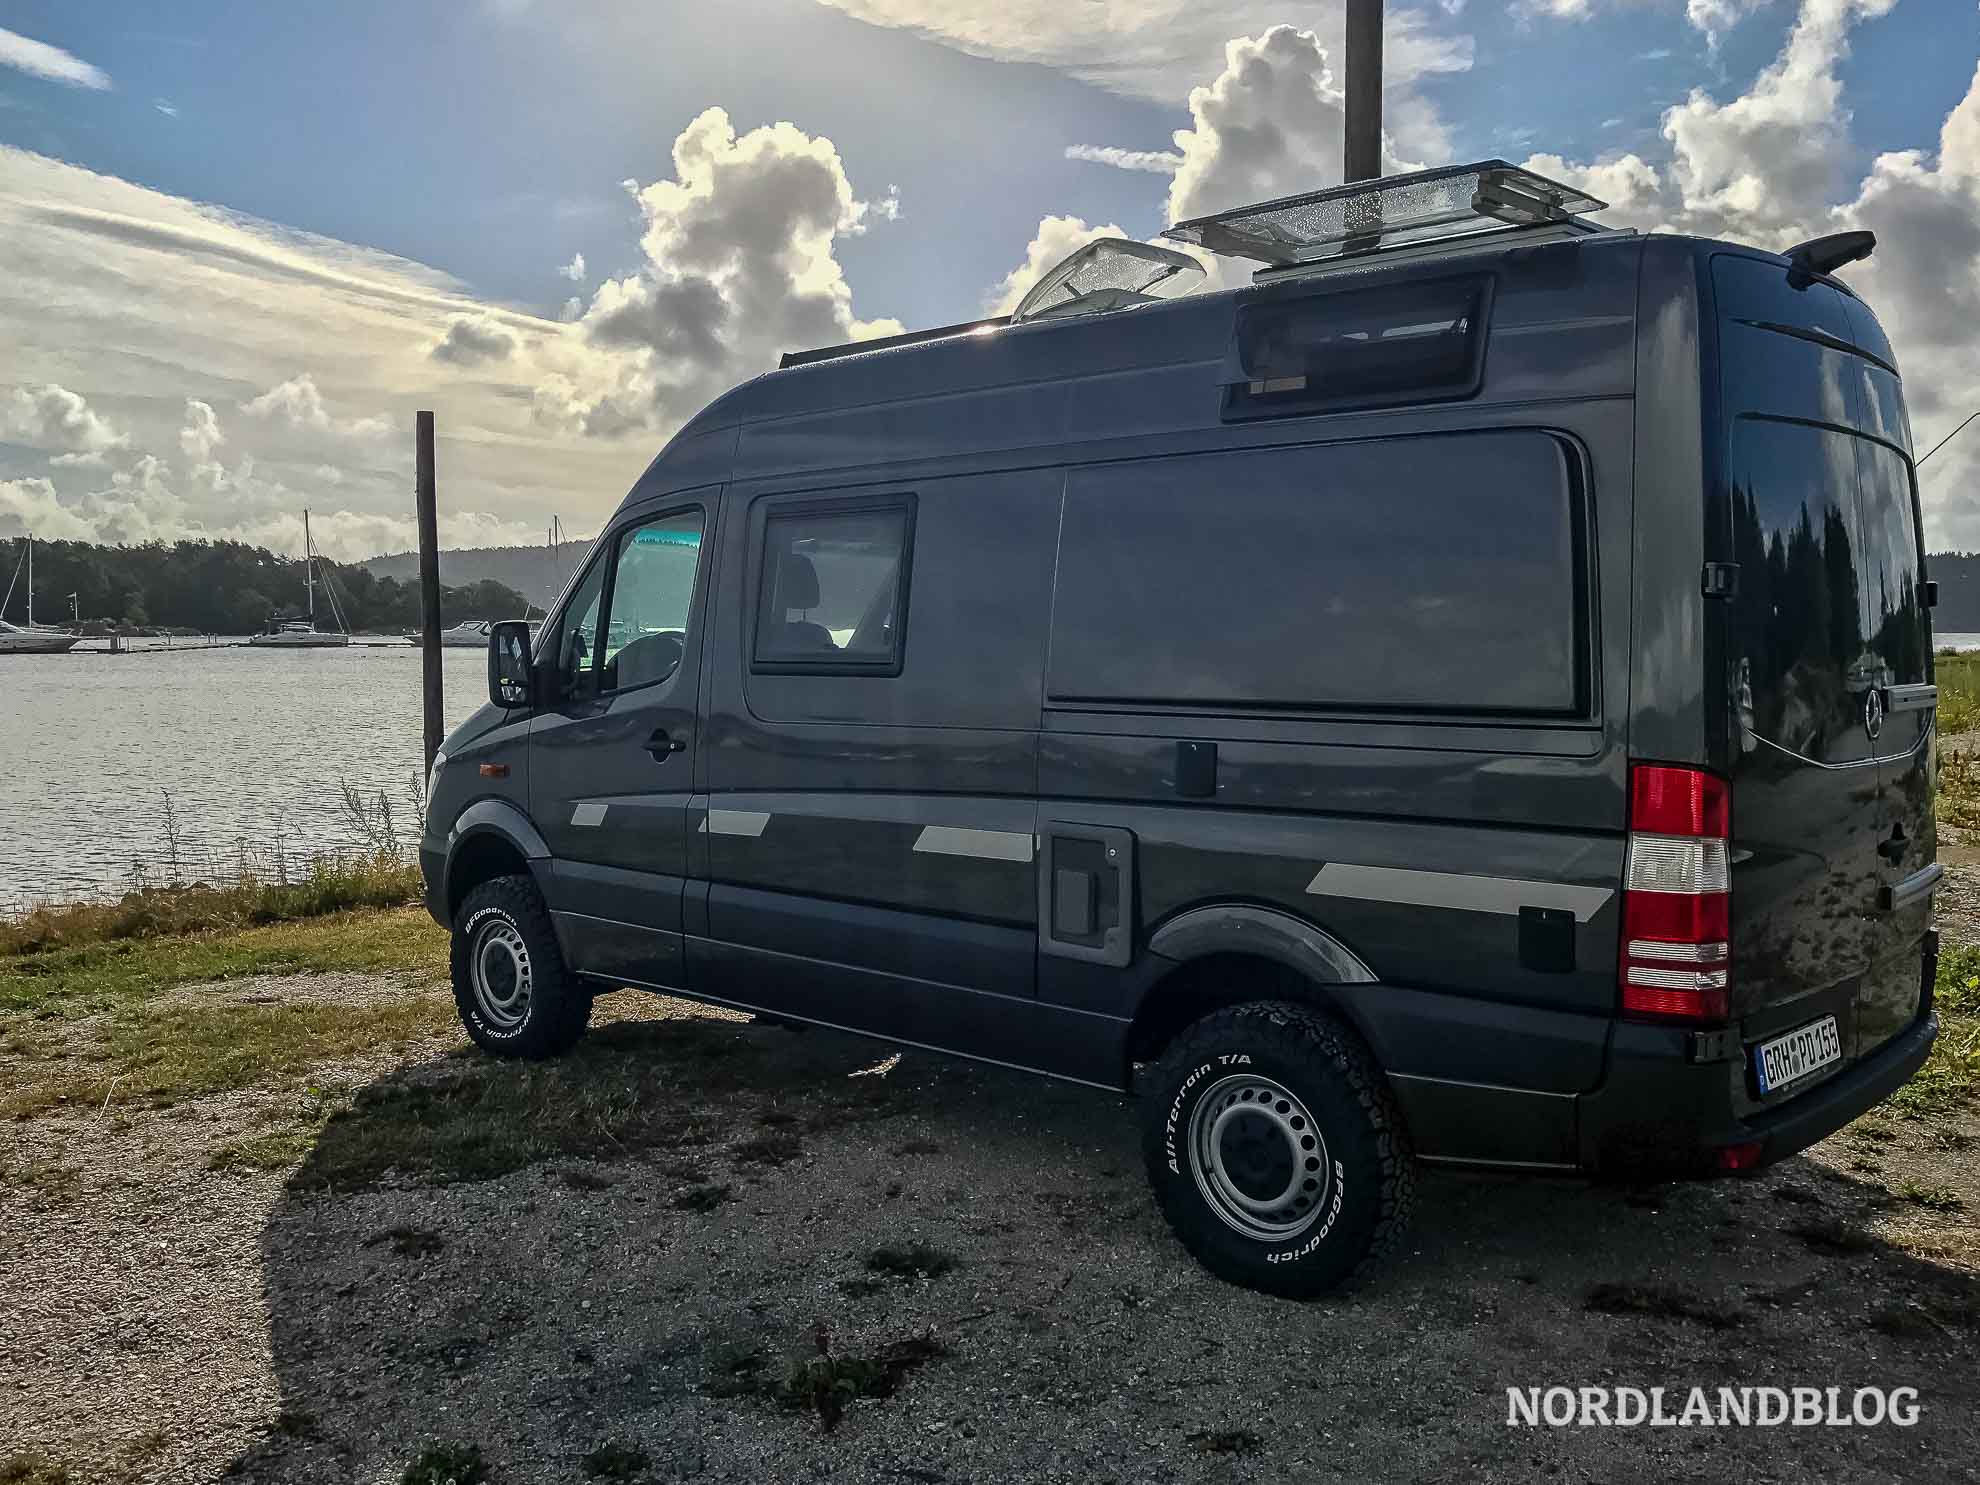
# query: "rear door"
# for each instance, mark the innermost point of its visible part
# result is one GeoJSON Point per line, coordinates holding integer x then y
{"type": "Point", "coordinates": [1817, 641]}
{"type": "Point", "coordinates": [612, 753]}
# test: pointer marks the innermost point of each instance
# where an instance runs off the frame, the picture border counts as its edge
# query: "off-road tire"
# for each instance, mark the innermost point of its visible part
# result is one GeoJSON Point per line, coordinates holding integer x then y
{"type": "Point", "coordinates": [499, 918]}
{"type": "Point", "coordinates": [1367, 1177]}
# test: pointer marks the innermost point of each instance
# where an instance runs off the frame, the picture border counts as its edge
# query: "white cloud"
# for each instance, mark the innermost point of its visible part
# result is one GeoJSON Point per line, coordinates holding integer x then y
{"type": "Point", "coordinates": [1762, 169]}
{"type": "Point", "coordinates": [1712, 18]}
{"type": "Point", "coordinates": [1056, 238]}
{"type": "Point", "coordinates": [740, 267]}
{"type": "Point", "coordinates": [169, 109]}
{"type": "Point", "coordinates": [1160, 48]}
{"type": "Point", "coordinates": [52, 416]}
{"type": "Point", "coordinates": [137, 302]}
{"type": "Point", "coordinates": [1156, 162]}
{"type": "Point", "coordinates": [297, 404]}
{"type": "Point", "coordinates": [201, 434]}
{"type": "Point", "coordinates": [573, 270]}
{"type": "Point", "coordinates": [473, 340]}
{"type": "Point", "coordinates": [39, 59]}
{"type": "Point", "coordinates": [1269, 124]}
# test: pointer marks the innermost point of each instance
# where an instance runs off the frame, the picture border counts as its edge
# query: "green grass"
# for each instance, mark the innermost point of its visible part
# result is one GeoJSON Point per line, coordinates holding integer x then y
{"type": "Point", "coordinates": [329, 884]}
{"type": "Point", "coordinates": [93, 977]}
{"type": "Point", "coordinates": [1950, 1078]}
{"type": "Point", "coordinates": [163, 1054]}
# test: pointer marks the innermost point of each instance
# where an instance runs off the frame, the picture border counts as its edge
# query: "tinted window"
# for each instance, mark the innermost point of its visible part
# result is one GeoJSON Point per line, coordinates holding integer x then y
{"type": "Point", "coordinates": [1431, 573]}
{"type": "Point", "coordinates": [648, 573]}
{"type": "Point", "coordinates": [573, 647]}
{"type": "Point", "coordinates": [831, 589]}
{"type": "Point", "coordinates": [652, 595]}
{"type": "Point", "coordinates": [1803, 609]}
{"type": "Point", "coordinates": [1894, 618]}
{"type": "Point", "coordinates": [1403, 342]}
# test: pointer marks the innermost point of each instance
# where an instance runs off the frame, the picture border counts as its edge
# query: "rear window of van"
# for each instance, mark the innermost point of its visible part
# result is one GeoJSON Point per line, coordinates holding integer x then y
{"type": "Point", "coordinates": [1439, 574]}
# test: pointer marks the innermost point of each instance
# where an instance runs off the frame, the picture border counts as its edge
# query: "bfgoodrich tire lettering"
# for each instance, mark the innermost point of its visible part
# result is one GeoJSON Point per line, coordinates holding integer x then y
{"type": "Point", "coordinates": [513, 992]}
{"type": "Point", "coordinates": [1275, 1150]}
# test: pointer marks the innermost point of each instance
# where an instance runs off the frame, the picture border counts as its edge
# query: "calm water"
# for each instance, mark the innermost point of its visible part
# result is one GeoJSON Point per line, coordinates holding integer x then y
{"type": "Point", "coordinates": [250, 744]}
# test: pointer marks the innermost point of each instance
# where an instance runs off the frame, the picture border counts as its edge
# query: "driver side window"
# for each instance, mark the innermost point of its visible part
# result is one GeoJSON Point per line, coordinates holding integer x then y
{"type": "Point", "coordinates": [626, 625]}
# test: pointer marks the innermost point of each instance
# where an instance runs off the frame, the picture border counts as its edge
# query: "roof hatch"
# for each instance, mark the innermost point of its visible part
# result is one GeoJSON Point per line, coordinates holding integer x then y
{"type": "Point", "coordinates": [1396, 211]}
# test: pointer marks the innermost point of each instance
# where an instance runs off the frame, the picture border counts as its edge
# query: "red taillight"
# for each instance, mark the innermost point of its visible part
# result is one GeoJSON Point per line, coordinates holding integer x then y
{"type": "Point", "coordinates": [1676, 953]}
{"type": "Point", "coordinates": [1739, 1157]}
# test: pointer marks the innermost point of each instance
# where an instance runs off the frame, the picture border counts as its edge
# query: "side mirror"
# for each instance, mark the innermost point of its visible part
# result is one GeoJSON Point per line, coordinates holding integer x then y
{"type": "Point", "coordinates": [509, 672]}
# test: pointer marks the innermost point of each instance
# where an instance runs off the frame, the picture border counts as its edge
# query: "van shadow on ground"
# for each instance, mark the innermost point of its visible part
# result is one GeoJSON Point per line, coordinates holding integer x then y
{"type": "Point", "coordinates": [629, 1247]}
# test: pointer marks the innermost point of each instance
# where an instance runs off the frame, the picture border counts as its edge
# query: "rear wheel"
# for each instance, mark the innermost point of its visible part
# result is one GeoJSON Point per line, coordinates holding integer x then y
{"type": "Point", "coordinates": [1276, 1151]}
{"type": "Point", "coordinates": [514, 994]}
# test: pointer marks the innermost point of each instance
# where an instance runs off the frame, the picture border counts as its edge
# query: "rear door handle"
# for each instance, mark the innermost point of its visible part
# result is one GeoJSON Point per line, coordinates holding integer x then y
{"type": "Point", "coordinates": [660, 745]}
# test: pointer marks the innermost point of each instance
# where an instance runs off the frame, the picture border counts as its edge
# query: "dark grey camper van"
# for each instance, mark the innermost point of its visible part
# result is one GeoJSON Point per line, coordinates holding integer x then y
{"type": "Point", "coordinates": [1465, 697]}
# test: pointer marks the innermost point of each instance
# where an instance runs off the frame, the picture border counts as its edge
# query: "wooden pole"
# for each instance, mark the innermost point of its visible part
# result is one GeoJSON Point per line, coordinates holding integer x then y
{"type": "Point", "coordinates": [1362, 142]}
{"type": "Point", "coordinates": [429, 581]}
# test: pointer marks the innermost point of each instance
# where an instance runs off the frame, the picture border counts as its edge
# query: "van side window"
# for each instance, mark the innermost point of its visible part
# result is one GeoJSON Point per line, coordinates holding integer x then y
{"type": "Point", "coordinates": [832, 589]}
{"type": "Point", "coordinates": [647, 607]}
{"type": "Point", "coordinates": [626, 623]}
{"type": "Point", "coordinates": [1443, 574]}
{"type": "Point", "coordinates": [1411, 342]}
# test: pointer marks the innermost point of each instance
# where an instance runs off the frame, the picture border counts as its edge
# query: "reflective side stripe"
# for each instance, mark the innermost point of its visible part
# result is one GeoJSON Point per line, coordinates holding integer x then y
{"type": "Point", "coordinates": [747, 823]}
{"type": "Point", "coordinates": [1450, 889]}
{"type": "Point", "coordinates": [989, 845]}
{"type": "Point", "coordinates": [588, 812]}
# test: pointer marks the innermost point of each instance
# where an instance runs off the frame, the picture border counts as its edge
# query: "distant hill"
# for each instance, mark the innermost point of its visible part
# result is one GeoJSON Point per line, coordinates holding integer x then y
{"type": "Point", "coordinates": [528, 570]}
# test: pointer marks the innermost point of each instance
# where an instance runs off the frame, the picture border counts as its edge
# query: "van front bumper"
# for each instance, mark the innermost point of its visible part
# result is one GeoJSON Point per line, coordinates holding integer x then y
{"type": "Point", "coordinates": [1659, 1114]}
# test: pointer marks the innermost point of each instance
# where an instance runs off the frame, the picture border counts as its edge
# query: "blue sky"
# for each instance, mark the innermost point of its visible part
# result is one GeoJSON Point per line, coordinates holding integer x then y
{"type": "Point", "coordinates": [471, 147]}
{"type": "Point", "coordinates": [490, 142]}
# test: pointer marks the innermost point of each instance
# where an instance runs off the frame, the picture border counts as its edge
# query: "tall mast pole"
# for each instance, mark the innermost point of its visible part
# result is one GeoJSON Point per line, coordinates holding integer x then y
{"type": "Point", "coordinates": [30, 622]}
{"type": "Point", "coordinates": [1362, 134]}
{"type": "Point", "coordinates": [309, 570]}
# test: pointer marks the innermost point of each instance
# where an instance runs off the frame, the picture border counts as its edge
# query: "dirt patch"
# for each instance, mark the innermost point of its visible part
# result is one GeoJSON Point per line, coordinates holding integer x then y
{"type": "Point", "coordinates": [960, 1266]}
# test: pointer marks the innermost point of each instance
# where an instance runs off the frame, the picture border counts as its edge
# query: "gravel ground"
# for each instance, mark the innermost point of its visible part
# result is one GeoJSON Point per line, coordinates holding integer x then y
{"type": "Point", "coordinates": [170, 1322]}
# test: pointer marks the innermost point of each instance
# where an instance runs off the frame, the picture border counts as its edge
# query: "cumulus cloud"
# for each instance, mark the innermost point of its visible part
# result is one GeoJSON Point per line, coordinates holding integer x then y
{"type": "Point", "coordinates": [473, 340]}
{"type": "Point", "coordinates": [297, 404]}
{"type": "Point", "coordinates": [1056, 238]}
{"type": "Point", "coordinates": [51, 416]}
{"type": "Point", "coordinates": [1156, 162]}
{"type": "Point", "coordinates": [1159, 49]}
{"type": "Point", "coordinates": [201, 434]}
{"type": "Point", "coordinates": [137, 302]}
{"type": "Point", "coordinates": [39, 59]}
{"type": "Point", "coordinates": [1713, 18]}
{"type": "Point", "coordinates": [739, 268]}
{"type": "Point", "coordinates": [574, 270]}
{"type": "Point", "coordinates": [1269, 124]}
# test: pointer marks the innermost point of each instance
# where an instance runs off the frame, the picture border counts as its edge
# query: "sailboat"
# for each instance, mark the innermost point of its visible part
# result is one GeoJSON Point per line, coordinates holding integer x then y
{"type": "Point", "coordinates": [31, 638]}
{"type": "Point", "coordinates": [302, 634]}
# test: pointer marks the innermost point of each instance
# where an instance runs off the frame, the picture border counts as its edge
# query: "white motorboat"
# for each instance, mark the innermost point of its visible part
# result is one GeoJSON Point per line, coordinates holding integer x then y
{"type": "Point", "coordinates": [302, 634]}
{"type": "Point", "coordinates": [31, 638]}
{"type": "Point", "coordinates": [469, 634]}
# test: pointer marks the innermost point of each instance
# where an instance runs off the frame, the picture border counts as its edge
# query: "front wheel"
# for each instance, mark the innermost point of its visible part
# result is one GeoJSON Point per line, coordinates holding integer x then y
{"type": "Point", "coordinates": [514, 994]}
{"type": "Point", "coordinates": [1276, 1152]}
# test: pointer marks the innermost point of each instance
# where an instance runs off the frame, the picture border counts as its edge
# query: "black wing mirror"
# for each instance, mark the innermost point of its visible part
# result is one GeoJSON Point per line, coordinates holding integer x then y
{"type": "Point", "coordinates": [509, 671]}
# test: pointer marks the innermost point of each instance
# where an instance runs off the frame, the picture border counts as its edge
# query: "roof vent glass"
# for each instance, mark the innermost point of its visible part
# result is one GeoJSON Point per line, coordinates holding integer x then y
{"type": "Point", "coordinates": [1107, 274]}
{"type": "Point", "coordinates": [1397, 210]}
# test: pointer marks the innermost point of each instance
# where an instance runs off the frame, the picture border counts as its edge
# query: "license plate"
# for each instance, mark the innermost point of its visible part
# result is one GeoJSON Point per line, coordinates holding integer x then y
{"type": "Point", "coordinates": [1789, 1059]}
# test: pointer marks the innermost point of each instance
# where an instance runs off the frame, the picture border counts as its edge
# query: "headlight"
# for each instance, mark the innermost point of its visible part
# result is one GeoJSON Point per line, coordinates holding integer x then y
{"type": "Point", "coordinates": [433, 773]}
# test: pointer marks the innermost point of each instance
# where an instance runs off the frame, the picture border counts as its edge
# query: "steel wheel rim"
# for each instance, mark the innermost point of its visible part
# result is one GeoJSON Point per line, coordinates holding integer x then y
{"type": "Point", "coordinates": [1258, 1157]}
{"type": "Point", "coordinates": [499, 970]}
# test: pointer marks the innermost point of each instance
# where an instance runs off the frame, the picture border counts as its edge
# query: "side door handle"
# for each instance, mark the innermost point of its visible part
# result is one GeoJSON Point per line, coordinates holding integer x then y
{"type": "Point", "coordinates": [660, 745]}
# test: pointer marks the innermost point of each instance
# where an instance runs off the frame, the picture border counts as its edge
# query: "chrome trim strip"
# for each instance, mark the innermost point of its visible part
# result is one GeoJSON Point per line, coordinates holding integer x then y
{"type": "Point", "coordinates": [986, 845]}
{"type": "Point", "coordinates": [746, 823]}
{"type": "Point", "coordinates": [1922, 883]}
{"type": "Point", "coordinates": [1910, 698]}
{"type": "Point", "coordinates": [1460, 891]}
{"type": "Point", "coordinates": [1923, 737]}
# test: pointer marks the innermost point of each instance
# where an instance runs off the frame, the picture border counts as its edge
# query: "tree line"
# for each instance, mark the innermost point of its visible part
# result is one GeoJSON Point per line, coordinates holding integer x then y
{"type": "Point", "coordinates": [223, 587]}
